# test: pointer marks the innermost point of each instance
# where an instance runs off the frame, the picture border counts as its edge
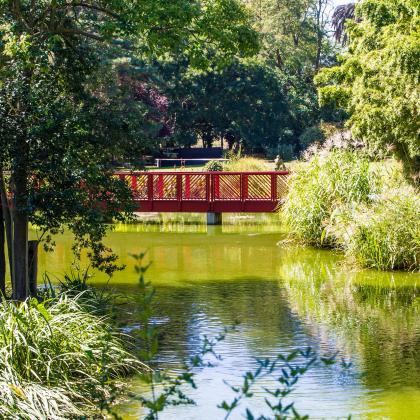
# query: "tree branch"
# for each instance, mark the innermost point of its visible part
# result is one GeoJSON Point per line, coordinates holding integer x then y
{"type": "Point", "coordinates": [91, 7]}
{"type": "Point", "coordinates": [70, 31]}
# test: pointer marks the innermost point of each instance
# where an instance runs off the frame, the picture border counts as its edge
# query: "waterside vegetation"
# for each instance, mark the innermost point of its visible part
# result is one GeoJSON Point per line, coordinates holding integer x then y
{"type": "Point", "coordinates": [341, 199]}
{"type": "Point", "coordinates": [59, 358]}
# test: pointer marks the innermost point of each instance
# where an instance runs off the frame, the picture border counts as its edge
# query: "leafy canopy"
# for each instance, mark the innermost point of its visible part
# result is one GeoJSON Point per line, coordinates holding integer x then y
{"type": "Point", "coordinates": [244, 103]}
{"type": "Point", "coordinates": [65, 111]}
{"type": "Point", "coordinates": [378, 79]}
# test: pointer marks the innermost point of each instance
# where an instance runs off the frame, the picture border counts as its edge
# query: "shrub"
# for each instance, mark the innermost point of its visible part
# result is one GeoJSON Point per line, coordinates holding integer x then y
{"type": "Point", "coordinates": [311, 135]}
{"type": "Point", "coordinates": [321, 187]}
{"type": "Point", "coordinates": [214, 166]}
{"type": "Point", "coordinates": [386, 236]}
{"type": "Point", "coordinates": [56, 359]}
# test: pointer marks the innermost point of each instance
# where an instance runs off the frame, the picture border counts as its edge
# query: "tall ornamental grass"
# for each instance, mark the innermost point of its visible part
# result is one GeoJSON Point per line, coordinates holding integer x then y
{"type": "Point", "coordinates": [57, 359]}
{"type": "Point", "coordinates": [248, 164]}
{"type": "Point", "coordinates": [323, 186]}
{"type": "Point", "coordinates": [338, 198]}
{"type": "Point", "coordinates": [386, 235]}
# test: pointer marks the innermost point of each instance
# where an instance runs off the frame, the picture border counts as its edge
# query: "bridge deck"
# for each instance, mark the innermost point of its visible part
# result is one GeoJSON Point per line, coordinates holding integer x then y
{"type": "Point", "coordinates": [218, 192]}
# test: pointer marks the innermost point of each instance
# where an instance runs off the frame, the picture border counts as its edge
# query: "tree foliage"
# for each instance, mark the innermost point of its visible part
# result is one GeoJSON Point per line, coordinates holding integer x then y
{"type": "Point", "coordinates": [265, 104]}
{"type": "Point", "coordinates": [243, 103]}
{"type": "Point", "coordinates": [66, 110]}
{"type": "Point", "coordinates": [378, 79]}
{"type": "Point", "coordinates": [296, 43]}
{"type": "Point", "coordinates": [294, 33]}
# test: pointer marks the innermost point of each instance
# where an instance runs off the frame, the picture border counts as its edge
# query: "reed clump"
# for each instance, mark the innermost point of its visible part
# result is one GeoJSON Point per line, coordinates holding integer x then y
{"type": "Point", "coordinates": [323, 186]}
{"type": "Point", "coordinates": [340, 199]}
{"type": "Point", "coordinates": [248, 164]}
{"type": "Point", "coordinates": [386, 235]}
{"type": "Point", "coordinates": [57, 359]}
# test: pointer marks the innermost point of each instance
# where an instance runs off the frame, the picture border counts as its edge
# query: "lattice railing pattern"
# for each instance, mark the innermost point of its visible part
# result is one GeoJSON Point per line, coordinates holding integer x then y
{"type": "Point", "coordinates": [259, 187]}
{"type": "Point", "coordinates": [282, 187]}
{"type": "Point", "coordinates": [165, 187]}
{"type": "Point", "coordinates": [194, 187]}
{"type": "Point", "coordinates": [227, 187]}
{"type": "Point", "coordinates": [138, 185]}
{"type": "Point", "coordinates": [207, 186]}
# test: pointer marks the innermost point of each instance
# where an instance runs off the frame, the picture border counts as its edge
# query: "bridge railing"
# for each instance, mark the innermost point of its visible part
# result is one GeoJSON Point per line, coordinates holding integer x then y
{"type": "Point", "coordinates": [207, 191]}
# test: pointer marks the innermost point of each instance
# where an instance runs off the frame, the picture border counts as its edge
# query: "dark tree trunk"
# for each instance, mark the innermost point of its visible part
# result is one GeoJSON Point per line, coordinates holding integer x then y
{"type": "Point", "coordinates": [230, 138]}
{"type": "Point", "coordinates": [279, 60]}
{"type": "Point", "coordinates": [20, 250]}
{"type": "Point", "coordinates": [33, 266]}
{"type": "Point", "coordinates": [20, 235]}
{"type": "Point", "coordinates": [7, 221]}
{"type": "Point", "coordinates": [319, 33]}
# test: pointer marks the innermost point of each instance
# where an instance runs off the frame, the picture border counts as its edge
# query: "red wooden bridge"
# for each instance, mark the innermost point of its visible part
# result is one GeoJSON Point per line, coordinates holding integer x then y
{"type": "Point", "coordinates": [207, 192]}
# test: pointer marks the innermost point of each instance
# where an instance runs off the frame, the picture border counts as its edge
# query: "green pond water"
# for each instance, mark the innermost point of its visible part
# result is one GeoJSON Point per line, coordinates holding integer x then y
{"type": "Point", "coordinates": [285, 297]}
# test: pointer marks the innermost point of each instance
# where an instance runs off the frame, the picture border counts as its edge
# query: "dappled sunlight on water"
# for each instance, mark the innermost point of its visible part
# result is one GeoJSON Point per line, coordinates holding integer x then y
{"type": "Point", "coordinates": [284, 297]}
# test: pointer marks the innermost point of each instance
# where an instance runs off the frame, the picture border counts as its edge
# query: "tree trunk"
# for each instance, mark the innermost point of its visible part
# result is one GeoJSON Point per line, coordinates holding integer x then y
{"type": "Point", "coordinates": [319, 33]}
{"type": "Point", "coordinates": [7, 220]}
{"type": "Point", "coordinates": [33, 267]}
{"type": "Point", "coordinates": [20, 235]}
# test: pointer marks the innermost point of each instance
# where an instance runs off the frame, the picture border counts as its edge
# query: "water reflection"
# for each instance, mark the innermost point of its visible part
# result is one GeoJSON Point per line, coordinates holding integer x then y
{"type": "Point", "coordinates": [374, 316]}
{"type": "Point", "coordinates": [283, 297]}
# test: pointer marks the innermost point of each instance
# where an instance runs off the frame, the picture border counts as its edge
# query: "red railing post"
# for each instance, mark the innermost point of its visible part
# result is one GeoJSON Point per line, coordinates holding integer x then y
{"type": "Point", "coordinates": [273, 187]}
{"type": "Point", "coordinates": [134, 185]}
{"type": "Point", "coordinates": [179, 190]}
{"type": "Point", "coordinates": [150, 187]}
{"type": "Point", "coordinates": [187, 187]}
{"type": "Point", "coordinates": [244, 189]}
{"type": "Point", "coordinates": [160, 186]}
{"type": "Point", "coordinates": [244, 186]}
{"type": "Point", "coordinates": [209, 195]}
{"type": "Point", "coordinates": [216, 186]}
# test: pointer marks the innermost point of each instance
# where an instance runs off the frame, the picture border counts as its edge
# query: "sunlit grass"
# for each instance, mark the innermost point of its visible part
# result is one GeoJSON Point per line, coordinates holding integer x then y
{"type": "Point", "coordinates": [323, 186]}
{"type": "Point", "coordinates": [387, 235]}
{"type": "Point", "coordinates": [248, 164]}
{"type": "Point", "coordinates": [57, 358]}
{"type": "Point", "coordinates": [340, 199]}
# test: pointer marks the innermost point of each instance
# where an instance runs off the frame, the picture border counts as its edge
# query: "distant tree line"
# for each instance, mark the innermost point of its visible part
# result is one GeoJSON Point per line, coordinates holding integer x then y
{"type": "Point", "coordinates": [262, 104]}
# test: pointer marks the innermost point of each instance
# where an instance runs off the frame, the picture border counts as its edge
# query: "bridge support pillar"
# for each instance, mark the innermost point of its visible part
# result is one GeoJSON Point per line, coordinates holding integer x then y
{"type": "Point", "coordinates": [214, 219]}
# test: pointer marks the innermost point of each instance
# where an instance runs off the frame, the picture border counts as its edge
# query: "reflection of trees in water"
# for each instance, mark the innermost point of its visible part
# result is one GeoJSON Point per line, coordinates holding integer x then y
{"type": "Point", "coordinates": [183, 256]}
{"type": "Point", "coordinates": [258, 305]}
{"type": "Point", "coordinates": [376, 317]}
{"type": "Point", "coordinates": [205, 281]}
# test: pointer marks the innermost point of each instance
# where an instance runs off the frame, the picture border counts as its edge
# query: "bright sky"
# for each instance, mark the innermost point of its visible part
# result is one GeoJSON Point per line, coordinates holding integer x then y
{"type": "Point", "coordinates": [338, 2]}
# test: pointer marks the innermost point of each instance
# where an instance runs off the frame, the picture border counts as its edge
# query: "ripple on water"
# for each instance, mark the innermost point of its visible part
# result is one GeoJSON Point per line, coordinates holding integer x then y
{"type": "Point", "coordinates": [284, 298]}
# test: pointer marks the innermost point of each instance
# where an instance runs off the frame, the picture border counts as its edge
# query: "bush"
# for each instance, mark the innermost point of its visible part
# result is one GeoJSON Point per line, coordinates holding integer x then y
{"type": "Point", "coordinates": [214, 166]}
{"type": "Point", "coordinates": [386, 236]}
{"type": "Point", "coordinates": [311, 135]}
{"type": "Point", "coordinates": [56, 359]}
{"type": "Point", "coordinates": [321, 187]}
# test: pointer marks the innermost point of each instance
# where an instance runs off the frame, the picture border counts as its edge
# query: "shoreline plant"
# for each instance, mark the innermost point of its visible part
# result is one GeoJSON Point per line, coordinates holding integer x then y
{"type": "Point", "coordinates": [323, 186]}
{"type": "Point", "coordinates": [340, 199]}
{"type": "Point", "coordinates": [59, 359]}
{"type": "Point", "coordinates": [386, 236]}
